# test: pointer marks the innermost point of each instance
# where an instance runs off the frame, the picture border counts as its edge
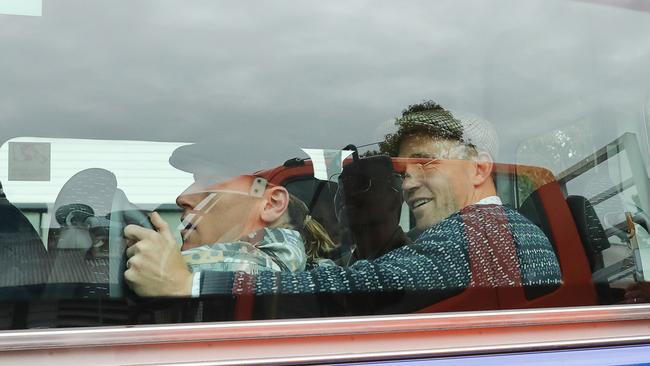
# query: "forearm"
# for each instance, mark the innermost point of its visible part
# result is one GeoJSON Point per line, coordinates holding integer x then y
{"type": "Point", "coordinates": [418, 268]}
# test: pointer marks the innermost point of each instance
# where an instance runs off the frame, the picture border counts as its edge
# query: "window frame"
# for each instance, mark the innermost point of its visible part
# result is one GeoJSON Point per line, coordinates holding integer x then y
{"type": "Point", "coordinates": [345, 339]}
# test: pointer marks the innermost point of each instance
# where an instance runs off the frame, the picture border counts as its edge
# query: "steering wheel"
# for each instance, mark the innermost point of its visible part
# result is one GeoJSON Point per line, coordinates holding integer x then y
{"type": "Point", "coordinates": [123, 213]}
{"type": "Point", "coordinates": [90, 199]}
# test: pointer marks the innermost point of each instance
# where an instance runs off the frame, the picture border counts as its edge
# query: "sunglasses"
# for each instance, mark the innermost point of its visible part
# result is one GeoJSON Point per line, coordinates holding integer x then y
{"type": "Point", "coordinates": [355, 184]}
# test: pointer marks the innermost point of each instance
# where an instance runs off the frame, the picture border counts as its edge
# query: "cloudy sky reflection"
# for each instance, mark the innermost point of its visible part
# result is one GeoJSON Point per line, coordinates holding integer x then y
{"type": "Point", "coordinates": [266, 78]}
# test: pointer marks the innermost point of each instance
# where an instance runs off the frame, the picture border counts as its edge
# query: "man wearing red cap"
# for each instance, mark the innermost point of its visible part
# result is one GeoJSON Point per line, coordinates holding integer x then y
{"type": "Point", "coordinates": [468, 237]}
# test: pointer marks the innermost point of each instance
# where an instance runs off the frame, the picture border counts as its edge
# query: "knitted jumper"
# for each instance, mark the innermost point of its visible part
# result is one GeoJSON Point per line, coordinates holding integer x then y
{"type": "Point", "coordinates": [505, 248]}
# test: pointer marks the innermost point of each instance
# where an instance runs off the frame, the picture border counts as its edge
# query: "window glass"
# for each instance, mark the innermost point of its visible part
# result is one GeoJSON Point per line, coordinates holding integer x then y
{"type": "Point", "coordinates": [187, 161]}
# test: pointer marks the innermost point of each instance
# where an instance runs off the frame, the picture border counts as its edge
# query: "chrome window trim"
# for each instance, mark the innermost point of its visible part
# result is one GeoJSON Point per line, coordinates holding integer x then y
{"type": "Point", "coordinates": [414, 355]}
{"type": "Point", "coordinates": [322, 327]}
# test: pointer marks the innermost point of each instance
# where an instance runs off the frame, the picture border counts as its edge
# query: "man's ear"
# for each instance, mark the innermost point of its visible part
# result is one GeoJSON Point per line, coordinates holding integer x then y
{"type": "Point", "coordinates": [484, 167]}
{"type": "Point", "coordinates": [276, 201]}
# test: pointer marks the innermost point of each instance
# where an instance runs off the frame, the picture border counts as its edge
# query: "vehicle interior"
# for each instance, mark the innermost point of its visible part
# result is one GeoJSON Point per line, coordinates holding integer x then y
{"type": "Point", "coordinates": [91, 115]}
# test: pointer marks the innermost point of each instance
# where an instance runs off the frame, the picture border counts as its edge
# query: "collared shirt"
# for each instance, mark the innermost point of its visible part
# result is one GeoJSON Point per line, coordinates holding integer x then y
{"type": "Point", "coordinates": [491, 200]}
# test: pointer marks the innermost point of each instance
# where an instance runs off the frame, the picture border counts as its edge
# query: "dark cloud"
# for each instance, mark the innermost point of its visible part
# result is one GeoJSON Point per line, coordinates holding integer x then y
{"type": "Point", "coordinates": [265, 78]}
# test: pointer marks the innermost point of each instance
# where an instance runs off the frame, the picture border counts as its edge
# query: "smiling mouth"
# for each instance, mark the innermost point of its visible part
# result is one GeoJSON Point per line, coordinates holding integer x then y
{"type": "Point", "coordinates": [420, 202]}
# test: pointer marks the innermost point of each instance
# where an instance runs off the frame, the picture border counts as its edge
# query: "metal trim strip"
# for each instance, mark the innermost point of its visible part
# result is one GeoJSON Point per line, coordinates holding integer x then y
{"type": "Point", "coordinates": [447, 352]}
{"type": "Point", "coordinates": [156, 334]}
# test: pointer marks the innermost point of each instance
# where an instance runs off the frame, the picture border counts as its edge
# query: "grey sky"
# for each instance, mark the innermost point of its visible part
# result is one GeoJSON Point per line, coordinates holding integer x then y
{"type": "Point", "coordinates": [264, 78]}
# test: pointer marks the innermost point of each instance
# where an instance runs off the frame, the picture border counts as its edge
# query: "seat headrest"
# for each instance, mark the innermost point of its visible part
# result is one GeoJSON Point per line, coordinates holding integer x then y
{"type": "Point", "coordinates": [589, 227]}
{"type": "Point", "coordinates": [533, 210]}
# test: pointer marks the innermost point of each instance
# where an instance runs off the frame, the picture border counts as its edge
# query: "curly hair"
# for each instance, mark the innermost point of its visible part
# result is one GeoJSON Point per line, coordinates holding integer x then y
{"type": "Point", "coordinates": [426, 118]}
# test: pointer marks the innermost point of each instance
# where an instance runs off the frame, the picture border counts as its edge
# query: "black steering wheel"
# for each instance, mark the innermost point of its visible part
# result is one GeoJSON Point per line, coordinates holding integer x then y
{"type": "Point", "coordinates": [122, 213]}
{"type": "Point", "coordinates": [91, 202]}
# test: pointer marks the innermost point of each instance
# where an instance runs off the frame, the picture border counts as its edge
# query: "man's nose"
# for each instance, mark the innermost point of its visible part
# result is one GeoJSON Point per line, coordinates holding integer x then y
{"type": "Point", "coordinates": [412, 175]}
{"type": "Point", "coordinates": [189, 197]}
{"type": "Point", "coordinates": [182, 201]}
{"type": "Point", "coordinates": [411, 181]}
{"type": "Point", "coordinates": [187, 200]}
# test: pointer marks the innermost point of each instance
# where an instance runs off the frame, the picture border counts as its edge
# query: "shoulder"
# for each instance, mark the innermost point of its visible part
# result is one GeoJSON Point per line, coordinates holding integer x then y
{"type": "Point", "coordinates": [526, 233]}
{"type": "Point", "coordinates": [515, 215]}
{"type": "Point", "coordinates": [443, 240]}
{"type": "Point", "coordinates": [441, 231]}
{"type": "Point", "coordinates": [521, 222]}
{"type": "Point", "coordinates": [281, 235]}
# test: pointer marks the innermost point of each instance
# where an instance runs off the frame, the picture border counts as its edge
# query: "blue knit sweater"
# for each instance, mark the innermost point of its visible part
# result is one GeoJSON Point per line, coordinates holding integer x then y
{"type": "Point", "coordinates": [438, 260]}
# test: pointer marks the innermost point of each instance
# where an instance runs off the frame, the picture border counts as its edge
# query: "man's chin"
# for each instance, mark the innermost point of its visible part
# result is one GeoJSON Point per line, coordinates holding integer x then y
{"type": "Point", "coordinates": [423, 224]}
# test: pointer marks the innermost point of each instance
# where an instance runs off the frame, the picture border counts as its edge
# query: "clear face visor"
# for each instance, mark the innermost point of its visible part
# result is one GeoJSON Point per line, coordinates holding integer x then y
{"type": "Point", "coordinates": [408, 166]}
{"type": "Point", "coordinates": [419, 169]}
{"type": "Point", "coordinates": [244, 186]}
